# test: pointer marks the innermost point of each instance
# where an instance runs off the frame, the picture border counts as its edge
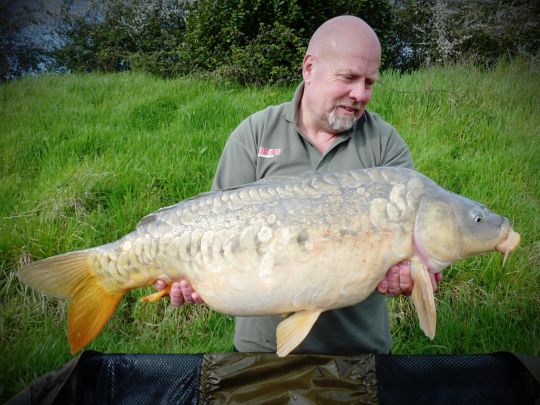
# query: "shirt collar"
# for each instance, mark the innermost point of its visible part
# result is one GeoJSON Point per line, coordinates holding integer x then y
{"type": "Point", "coordinates": [290, 112]}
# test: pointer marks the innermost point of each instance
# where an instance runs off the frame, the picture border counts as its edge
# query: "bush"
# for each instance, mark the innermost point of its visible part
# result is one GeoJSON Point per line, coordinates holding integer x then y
{"type": "Point", "coordinates": [432, 32]}
{"type": "Point", "coordinates": [118, 35]}
{"type": "Point", "coordinates": [256, 42]}
{"type": "Point", "coordinates": [248, 41]}
{"type": "Point", "coordinates": [274, 56]}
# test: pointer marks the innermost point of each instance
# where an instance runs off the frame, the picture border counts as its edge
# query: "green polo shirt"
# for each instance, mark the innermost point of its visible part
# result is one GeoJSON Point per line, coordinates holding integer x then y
{"type": "Point", "coordinates": [269, 144]}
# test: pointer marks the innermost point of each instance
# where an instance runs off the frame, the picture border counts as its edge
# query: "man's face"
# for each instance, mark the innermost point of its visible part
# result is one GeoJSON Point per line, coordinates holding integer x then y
{"type": "Point", "coordinates": [338, 87]}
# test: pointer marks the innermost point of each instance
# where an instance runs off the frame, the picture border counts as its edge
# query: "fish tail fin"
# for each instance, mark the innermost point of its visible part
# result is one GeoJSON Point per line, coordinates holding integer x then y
{"type": "Point", "coordinates": [72, 276]}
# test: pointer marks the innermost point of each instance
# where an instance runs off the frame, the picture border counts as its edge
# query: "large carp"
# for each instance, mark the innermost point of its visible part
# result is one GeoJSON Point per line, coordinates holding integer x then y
{"type": "Point", "coordinates": [298, 245]}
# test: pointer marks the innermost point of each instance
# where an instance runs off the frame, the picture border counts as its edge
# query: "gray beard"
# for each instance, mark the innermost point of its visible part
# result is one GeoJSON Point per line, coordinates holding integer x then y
{"type": "Point", "coordinates": [339, 123]}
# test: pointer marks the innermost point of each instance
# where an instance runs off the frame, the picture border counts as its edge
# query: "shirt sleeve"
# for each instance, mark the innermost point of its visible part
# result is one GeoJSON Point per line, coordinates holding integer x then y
{"type": "Point", "coordinates": [237, 165]}
{"type": "Point", "coordinates": [397, 153]}
{"type": "Point", "coordinates": [394, 150]}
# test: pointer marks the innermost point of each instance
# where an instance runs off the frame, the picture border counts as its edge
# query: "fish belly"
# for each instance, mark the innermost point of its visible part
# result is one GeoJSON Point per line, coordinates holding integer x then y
{"type": "Point", "coordinates": [298, 268]}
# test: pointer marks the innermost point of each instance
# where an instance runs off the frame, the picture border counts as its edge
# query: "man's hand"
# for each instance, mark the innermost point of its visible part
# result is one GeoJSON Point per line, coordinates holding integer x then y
{"type": "Point", "coordinates": [398, 280]}
{"type": "Point", "coordinates": [181, 293]}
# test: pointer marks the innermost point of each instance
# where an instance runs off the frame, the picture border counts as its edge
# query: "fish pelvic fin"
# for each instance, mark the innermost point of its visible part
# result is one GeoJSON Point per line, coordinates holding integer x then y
{"type": "Point", "coordinates": [158, 295]}
{"type": "Point", "coordinates": [71, 276]}
{"type": "Point", "coordinates": [293, 330]}
{"type": "Point", "coordinates": [423, 298]}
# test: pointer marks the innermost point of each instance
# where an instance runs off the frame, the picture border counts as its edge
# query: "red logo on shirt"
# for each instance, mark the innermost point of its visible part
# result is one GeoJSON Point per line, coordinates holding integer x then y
{"type": "Point", "coordinates": [268, 152]}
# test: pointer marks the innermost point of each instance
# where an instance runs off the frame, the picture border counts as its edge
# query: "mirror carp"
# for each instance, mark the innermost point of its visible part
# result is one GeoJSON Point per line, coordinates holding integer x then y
{"type": "Point", "coordinates": [299, 245]}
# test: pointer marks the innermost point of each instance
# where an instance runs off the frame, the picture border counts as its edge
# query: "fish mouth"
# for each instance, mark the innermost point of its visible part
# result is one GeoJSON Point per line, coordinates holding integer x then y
{"type": "Point", "coordinates": [508, 243]}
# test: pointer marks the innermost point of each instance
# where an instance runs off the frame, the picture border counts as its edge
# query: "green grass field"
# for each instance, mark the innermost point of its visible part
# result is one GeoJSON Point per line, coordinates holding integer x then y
{"type": "Point", "coordinates": [84, 157]}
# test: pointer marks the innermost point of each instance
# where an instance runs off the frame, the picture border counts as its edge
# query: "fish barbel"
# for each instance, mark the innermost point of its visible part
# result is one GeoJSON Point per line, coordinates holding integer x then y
{"type": "Point", "coordinates": [299, 245]}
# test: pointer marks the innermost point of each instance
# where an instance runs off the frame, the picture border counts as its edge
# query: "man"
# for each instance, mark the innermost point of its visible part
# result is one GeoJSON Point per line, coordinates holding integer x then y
{"type": "Point", "coordinates": [326, 127]}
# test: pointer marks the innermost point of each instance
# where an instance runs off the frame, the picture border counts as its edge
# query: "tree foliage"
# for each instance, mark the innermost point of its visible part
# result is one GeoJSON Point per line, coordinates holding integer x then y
{"type": "Point", "coordinates": [482, 31]}
{"type": "Point", "coordinates": [249, 41]}
{"type": "Point", "coordinates": [115, 35]}
{"type": "Point", "coordinates": [256, 41]}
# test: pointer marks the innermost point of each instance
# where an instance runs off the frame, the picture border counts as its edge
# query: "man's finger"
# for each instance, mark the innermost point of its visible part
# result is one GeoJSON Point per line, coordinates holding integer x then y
{"type": "Point", "coordinates": [187, 292]}
{"type": "Point", "coordinates": [383, 287]}
{"type": "Point", "coordinates": [197, 298]}
{"type": "Point", "coordinates": [160, 285]}
{"type": "Point", "coordinates": [405, 280]}
{"type": "Point", "coordinates": [433, 279]}
{"type": "Point", "coordinates": [177, 297]}
{"type": "Point", "coordinates": [392, 277]}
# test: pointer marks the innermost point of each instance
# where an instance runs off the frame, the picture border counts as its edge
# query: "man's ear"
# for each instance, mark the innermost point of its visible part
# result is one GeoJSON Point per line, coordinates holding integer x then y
{"type": "Point", "coordinates": [307, 67]}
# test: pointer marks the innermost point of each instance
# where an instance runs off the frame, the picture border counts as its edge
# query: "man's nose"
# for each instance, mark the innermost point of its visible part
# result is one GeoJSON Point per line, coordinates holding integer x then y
{"type": "Point", "coordinates": [361, 92]}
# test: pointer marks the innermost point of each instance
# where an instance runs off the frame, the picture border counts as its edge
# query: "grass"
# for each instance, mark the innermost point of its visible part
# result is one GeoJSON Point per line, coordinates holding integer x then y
{"type": "Point", "coordinates": [84, 157]}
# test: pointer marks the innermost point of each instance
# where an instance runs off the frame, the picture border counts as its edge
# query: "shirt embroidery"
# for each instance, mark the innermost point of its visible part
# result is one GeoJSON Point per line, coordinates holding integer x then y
{"type": "Point", "coordinates": [268, 152]}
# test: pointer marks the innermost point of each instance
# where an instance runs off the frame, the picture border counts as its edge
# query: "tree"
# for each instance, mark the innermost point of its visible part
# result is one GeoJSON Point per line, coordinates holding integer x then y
{"type": "Point", "coordinates": [261, 41]}
{"type": "Point", "coordinates": [115, 35]}
{"type": "Point", "coordinates": [440, 31]}
{"type": "Point", "coordinates": [256, 41]}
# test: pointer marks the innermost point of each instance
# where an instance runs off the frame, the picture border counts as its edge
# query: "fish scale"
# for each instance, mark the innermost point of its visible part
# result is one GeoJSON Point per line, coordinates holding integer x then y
{"type": "Point", "coordinates": [299, 245]}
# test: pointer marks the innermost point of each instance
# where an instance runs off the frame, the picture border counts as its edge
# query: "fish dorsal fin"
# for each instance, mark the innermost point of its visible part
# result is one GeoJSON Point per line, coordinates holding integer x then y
{"type": "Point", "coordinates": [269, 181]}
{"type": "Point", "coordinates": [154, 215]}
{"type": "Point", "coordinates": [423, 298]}
{"type": "Point", "coordinates": [293, 330]}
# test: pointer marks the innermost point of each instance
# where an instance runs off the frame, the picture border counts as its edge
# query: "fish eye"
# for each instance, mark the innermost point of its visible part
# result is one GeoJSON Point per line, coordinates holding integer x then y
{"type": "Point", "coordinates": [477, 214]}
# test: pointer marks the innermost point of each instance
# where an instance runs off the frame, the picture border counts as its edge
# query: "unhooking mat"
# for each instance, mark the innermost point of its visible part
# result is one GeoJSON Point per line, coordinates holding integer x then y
{"type": "Point", "coordinates": [256, 378]}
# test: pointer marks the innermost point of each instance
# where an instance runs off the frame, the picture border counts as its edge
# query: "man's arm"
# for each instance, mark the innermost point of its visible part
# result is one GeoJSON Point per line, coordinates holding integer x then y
{"type": "Point", "coordinates": [395, 152]}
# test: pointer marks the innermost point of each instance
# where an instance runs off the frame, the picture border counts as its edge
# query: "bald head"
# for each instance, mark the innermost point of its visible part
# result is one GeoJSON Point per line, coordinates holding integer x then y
{"type": "Point", "coordinates": [339, 70]}
{"type": "Point", "coordinates": [345, 34]}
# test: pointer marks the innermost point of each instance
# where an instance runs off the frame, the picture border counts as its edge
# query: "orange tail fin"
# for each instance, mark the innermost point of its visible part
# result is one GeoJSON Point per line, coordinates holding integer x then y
{"type": "Point", "coordinates": [71, 276]}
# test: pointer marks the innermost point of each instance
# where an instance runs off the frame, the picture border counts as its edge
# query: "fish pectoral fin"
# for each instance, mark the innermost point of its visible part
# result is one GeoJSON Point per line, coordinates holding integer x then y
{"type": "Point", "coordinates": [158, 295]}
{"type": "Point", "coordinates": [294, 329]}
{"type": "Point", "coordinates": [423, 298]}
